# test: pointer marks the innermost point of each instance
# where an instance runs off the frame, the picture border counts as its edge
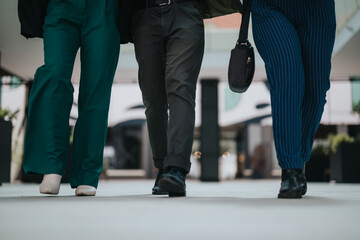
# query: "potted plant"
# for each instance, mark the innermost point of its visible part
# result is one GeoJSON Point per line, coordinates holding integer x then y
{"type": "Point", "coordinates": [356, 109]}
{"type": "Point", "coordinates": [318, 167]}
{"type": "Point", "coordinates": [344, 158]}
{"type": "Point", "coordinates": [6, 117]}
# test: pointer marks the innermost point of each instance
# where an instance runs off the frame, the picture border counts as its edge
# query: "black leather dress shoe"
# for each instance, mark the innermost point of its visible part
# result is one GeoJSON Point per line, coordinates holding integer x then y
{"type": "Point", "coordinates": [173, 181]}
{"type": "Point", "coordinates": [303, 183]}
{"type": "Point", "coordinates": [156, 190]}
{"type": "Point", "coordinates": [293, 184]}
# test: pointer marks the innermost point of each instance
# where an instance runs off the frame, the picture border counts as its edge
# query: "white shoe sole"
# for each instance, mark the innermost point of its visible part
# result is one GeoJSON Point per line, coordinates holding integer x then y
{"type": "Point", "coordinates": [85, 190]}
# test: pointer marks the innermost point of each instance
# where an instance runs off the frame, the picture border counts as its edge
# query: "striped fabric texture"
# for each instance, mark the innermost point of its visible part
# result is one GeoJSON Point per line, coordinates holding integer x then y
{"type": "Point", "coordinates": [295, 39]}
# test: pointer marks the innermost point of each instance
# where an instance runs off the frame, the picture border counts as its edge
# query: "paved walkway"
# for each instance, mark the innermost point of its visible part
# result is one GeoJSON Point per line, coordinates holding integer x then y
{"type": "Point", "coordinates": [125, 210]}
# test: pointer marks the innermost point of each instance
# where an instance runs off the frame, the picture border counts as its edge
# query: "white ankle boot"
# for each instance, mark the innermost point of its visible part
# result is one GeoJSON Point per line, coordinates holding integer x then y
{"type": "Point", "coordinates": [85, 190]}
{"type": "Point", "coordinates": [50, 184]}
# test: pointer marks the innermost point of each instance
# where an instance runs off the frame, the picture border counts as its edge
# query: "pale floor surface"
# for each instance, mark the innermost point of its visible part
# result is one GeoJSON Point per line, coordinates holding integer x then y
{"type": "Point", "coordinates": [126, 210]}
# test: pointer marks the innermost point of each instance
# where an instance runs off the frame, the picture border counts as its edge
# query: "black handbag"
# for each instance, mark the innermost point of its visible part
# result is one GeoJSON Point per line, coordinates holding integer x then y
{"type": "Point", "coordinates": [242, 60]}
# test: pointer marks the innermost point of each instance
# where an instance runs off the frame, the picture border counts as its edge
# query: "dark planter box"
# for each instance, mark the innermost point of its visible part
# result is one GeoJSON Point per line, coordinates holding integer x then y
{"type": "Point", "coordinates": [5, 150]}
{"type": "Point", "coordinates": [345, 163]}
{"type": "Point", "coordinates": [317, 168]}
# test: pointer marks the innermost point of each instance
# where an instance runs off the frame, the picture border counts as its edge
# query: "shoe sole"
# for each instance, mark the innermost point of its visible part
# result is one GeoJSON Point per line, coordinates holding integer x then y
{"type": "Point", "coordinates": [85, 194]}
{"type": "Point", "coordinates": [173, 188]}
{"type": "Point", "coordinates": [290, 195]}
{"type": "Point", "coordinates": [84, 190]}
{"type": "Point", "coordinates": [49, 192]}
{"type": "Point", "coordinates": [159, 193]}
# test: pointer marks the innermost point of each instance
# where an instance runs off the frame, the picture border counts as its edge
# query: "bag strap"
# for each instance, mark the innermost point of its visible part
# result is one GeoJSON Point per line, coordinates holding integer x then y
{"type": "Point", "coordinates": [245, 18]}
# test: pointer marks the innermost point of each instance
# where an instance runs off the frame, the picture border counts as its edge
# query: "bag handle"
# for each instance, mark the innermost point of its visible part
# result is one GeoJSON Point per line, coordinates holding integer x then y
{"type": "Point", "coordinates": [245, 18]}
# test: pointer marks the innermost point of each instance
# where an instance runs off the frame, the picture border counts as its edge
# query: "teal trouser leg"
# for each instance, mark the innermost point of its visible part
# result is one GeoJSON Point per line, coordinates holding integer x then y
{"type": "Point", "coordinates": [100, 47]}
{"type": "Point", "coordinates": [51, 97]}
{"type": "Point", "coordinates": [68, 25]}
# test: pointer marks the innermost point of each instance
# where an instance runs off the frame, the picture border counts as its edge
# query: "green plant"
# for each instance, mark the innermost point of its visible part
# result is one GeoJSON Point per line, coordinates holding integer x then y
{"type": "Point", "coordinates": [356, 108]}
{"type": "Point", "coordinates": [336, 140]}
{"type": "Point", "coordinates": [320, 150]}
{"type": "Point", "coordinates": [6, 114]}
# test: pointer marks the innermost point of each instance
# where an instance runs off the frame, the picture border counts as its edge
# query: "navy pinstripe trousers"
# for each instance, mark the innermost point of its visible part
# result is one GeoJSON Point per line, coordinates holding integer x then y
{"type": "Point", "coordinates": [295, 38]}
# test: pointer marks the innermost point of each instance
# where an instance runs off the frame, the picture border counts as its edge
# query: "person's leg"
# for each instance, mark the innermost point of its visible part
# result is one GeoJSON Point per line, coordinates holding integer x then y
{"type": "Point", "coordinates": [278, 44]}
{"type": "Point", "coordinates": [184, 54]}
{"type": "Point", "coordinates": [317, 36]}
{"type": "Point", "coordinates": [51, 97]}
{"type": "Point", "coordinates": [100, 44]}
{"type": "Point", "coordinates": [150, 55]}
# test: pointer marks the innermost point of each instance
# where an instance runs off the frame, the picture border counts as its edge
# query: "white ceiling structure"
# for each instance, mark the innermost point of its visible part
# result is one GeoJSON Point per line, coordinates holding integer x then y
{"type": "Point", "coordinates": [22, 56]}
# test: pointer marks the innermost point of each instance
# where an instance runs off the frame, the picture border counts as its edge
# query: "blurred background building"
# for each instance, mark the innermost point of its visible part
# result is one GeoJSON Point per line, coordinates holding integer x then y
{"type": "Point", "coordinates": [246, 147]}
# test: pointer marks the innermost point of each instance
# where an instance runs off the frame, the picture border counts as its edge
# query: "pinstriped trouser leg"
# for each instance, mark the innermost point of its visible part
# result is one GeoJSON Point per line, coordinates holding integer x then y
{"type": "Point", "coordinates": [317, 40]}
{"type": "Point", "coordinates": [296, 41]}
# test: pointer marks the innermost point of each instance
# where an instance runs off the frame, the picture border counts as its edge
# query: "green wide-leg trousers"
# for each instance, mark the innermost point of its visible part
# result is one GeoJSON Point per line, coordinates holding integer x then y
{"type": "Point", "coordinates": [90, 25]}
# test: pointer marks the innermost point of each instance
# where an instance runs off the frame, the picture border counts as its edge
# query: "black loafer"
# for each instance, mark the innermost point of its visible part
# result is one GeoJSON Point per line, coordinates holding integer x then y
{"type": "Point", "coordinates": [293, 184]}
{"type": "Point", "coordinates": [156, 190]}
{"type": "Point", "coordinates": [303, 183]}
{"type": "Point", "coordinates": [173, 181]}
